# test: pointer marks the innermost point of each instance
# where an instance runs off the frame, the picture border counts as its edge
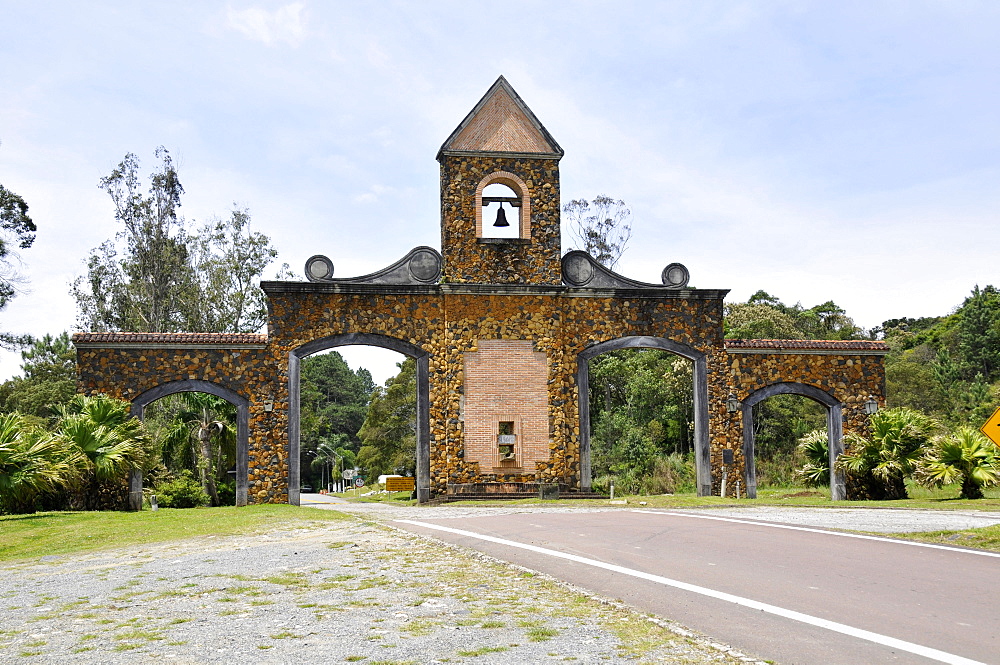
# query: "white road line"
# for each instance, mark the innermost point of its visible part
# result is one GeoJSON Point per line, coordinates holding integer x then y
{"type": "Point", "coordinates": [823, 531]}
{"type": "Point", "coordinates": [884, 640]}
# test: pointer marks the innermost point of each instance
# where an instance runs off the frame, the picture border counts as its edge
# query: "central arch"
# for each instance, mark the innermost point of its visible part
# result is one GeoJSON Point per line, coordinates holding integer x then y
{"type": "Point", "coordinates": [834, 431]}
{"type": "Point", "coordinates": [242, 405]}
{"type": "Point", "coordinates": [423, 402]}
{"type": "Point", "coordinates": [702, 461]}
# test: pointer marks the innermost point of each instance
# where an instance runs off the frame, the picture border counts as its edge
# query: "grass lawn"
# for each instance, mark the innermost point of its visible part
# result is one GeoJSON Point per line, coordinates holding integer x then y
{"type": "Point", "coordinates": [40, 534]}
{"type": "Point", "coordinates": [987, 538]}
{"type": "Point", "coordinates": [945, 498]}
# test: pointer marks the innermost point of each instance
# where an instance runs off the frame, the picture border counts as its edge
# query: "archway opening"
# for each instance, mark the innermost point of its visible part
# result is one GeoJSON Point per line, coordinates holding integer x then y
{"type": "Point", "coordinates": [194, 437]}
{"type": "Point", "coordinates": [647, 412]}
{"type": "Point", "coordinates": [642, 422]}
{"type": "Point", "coordinates": [834, 431]}
{"type": "Point", "coordinates": [200, 434]}
{"type": "Point", "coordinates": [349, 423]}
{"type": "Point", "coordinates": [779, 423]}
{"type": "Point", "coordinates": [358, 417]}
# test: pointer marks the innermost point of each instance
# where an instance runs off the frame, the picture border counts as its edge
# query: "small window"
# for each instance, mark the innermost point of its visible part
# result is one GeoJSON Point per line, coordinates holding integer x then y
{"type": "Point", "coordinates": [506, 441]}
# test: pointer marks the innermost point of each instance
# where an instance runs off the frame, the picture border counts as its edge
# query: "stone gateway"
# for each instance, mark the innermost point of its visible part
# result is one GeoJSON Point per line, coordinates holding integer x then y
{"type": "Point", "coordinates": [501, 328]}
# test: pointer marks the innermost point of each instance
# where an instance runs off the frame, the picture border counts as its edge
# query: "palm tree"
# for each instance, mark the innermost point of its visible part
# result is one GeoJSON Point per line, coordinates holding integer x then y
{"type": "Point", "coordinates": [965, 455]}
{"type": "Point", "coordinates": [31, 462]}
{"type": "Point", "coordinates": [202, 429]}
{"type": "Point", "coordinates": [877, 466]}
{"type": "Point", "coordinates": [110, 440]}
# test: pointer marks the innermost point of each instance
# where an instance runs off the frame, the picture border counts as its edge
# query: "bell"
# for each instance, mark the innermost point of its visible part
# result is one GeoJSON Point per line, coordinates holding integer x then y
{"type": "Point", "coordinates": [501, 218]}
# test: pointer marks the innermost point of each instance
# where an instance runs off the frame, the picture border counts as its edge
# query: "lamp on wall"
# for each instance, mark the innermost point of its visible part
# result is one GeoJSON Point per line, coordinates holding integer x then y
{"type": "Point", "coordinates": [269, 405]}
{"type": "Point", "coordinates": [732, 404]}
{"type": "Point", "coordinates": [871, 406]}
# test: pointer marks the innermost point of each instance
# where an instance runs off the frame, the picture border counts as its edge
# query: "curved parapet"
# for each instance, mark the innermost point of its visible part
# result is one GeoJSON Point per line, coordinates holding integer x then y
{"type": "Point", "coordinates": [421, 266]}
{"type": "Point", "coordinates": [580, 269]}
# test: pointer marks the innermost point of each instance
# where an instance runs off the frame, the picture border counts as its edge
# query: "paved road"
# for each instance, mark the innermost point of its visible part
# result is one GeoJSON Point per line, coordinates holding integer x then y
{"type": "Point", "coordinates": [790, 594]}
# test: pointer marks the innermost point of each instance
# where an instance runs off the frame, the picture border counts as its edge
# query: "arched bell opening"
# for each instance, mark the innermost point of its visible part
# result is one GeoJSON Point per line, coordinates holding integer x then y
{"type": "Point", "coordinates": [503, 207]}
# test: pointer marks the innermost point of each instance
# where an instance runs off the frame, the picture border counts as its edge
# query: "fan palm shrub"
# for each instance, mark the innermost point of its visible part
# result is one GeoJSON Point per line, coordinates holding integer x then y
{"type": "Point", "coordinates": [32, 462]}
{"type": "Point", "coordinates": [876, 467]}
{"type": "Point", "coordinates": [111, 442]}
{"type": "Point", "coordinates": [815, 447]}
{"type": "Point", "coordinates": [966, 456]}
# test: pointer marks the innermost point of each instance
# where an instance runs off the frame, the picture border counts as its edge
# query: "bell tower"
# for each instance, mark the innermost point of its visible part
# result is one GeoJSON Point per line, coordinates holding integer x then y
{"type": "Point", "coordinates": [500, 195]}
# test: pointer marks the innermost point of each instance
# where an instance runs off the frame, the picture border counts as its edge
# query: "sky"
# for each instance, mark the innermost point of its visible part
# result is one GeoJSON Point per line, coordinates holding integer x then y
{"type": "Point", "coordinates": [844, 151]}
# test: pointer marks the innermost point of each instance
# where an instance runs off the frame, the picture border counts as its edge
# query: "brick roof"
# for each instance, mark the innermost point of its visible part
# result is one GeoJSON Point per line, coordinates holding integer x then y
{"type": "Point", "coordinates": [501, 122]}
{"type": "Point", "coordinates": [807, 345]}
{"type": "Point", "coordinates": [132, 338]}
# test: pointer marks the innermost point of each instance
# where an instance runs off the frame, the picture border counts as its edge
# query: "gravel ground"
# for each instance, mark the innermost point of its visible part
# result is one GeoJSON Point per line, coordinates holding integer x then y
{"type": "Point", "coordinates": [351, 591]}
{"type": "Point", "coordinates": [355, 591]}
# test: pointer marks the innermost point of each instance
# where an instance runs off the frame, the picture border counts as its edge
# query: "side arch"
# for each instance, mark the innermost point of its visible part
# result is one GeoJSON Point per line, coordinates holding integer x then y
{"type": "Point", "coordinates": [421, 357]}
{"type": "Point", "coordinates": [702, 461]}
{"type": "Point", "coordinates": [242, 404]}
{"type": "Point", "coordinates": [834, 431]}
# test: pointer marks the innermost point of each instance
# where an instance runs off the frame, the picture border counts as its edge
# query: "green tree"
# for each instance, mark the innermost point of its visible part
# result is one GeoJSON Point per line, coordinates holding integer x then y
{"type": "Point", "coordinates": [389, 433]}
{"type": "Point", "coordinates": [334, 405]}
{"type": "Point", "coordinates": [764, 316]}
{"type": "Point", "coordinates": [157, 276]}
{"type": "Point", "coordinates": [16, 230]}
{"type": "Point", "coordinates": [979, 334]}
{"type": "Point", "coordinates": [966, 456]}
{"type": "Point", "coordinates": [49, 380]}
{"type": "Point", "coordinates": [878, 465]}
{"type": "Point", "coordinates": [600, 227]}
{"type": "Point", "coordinates": [758, 320]}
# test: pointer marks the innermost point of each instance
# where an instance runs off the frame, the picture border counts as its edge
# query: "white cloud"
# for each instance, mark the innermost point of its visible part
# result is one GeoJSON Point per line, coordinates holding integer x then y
{"type": "Point", "coordinates": [284, 24]}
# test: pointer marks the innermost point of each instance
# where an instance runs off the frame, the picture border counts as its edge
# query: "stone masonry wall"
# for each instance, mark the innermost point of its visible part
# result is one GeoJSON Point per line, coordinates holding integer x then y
{"type": "Point", "coordinates": [126, 373]}
{"type": "Point", "coordinates": [468, 259]}
{"type": "Point", "coordinates": [847, 377]}
{"type": "Point", "coordinates": [448, 322]}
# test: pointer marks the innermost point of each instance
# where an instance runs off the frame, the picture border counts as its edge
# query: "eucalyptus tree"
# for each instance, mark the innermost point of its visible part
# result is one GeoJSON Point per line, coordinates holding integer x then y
{"type": "Point", "coordinates": [16, 230]}
{"type": "Point", "coordinates": [600, 227]}
{"type": "Point", "coordinates": [158, 274]}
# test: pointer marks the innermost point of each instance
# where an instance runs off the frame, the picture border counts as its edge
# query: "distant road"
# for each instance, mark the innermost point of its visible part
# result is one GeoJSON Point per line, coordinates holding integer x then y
{"type": "Point", "coordinates": [320, 500]}
{"type": "Point", "coordinates": [791, 594]}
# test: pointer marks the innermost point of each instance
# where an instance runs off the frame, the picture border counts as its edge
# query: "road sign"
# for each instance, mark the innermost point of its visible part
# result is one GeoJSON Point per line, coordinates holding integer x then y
{"type": "Point", "coordinates": [400, 484]}
{"type": "Point", "coordinates": [359, 482]}
{"type": "Point", "coordinates": [991, 428]}
{"type": "Point", "coordinates": [348, 474]}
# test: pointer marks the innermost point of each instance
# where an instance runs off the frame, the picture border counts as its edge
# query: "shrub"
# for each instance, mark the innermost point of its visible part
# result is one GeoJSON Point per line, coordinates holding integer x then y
{"type": "Point", "coordinates": [876, 467]}
{"type": "Point", "coordinates": [671, 474]}
{"type": "Point", "coordinates": [966, 455]}
{"type": "Point", "coordinates": [815, 446]}
{"type": "Point", "coordinates": [182, 492]}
